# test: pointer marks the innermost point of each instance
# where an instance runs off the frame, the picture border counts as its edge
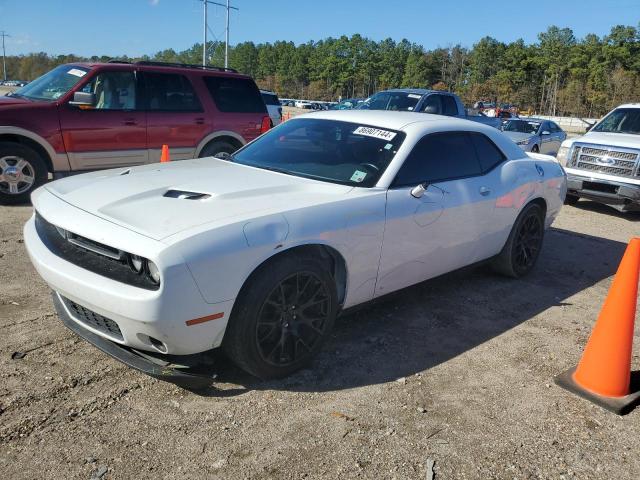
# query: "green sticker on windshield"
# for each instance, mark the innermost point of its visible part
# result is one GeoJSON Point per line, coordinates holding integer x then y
{"type": "Point", "coordinates": [358, 176]}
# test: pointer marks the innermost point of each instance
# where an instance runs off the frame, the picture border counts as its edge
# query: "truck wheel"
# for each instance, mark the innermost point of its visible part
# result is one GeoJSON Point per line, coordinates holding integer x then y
{"type": "Point", "coordinates": [571, 199]}
{"type": "Point", "coordinates": [520, 254]}
{"type": "Point", "coordinates": [282, 317]}
{"type": "Point", "coordinates": [214, 148]}
{"type": "Point", "coordinates": [22, 170]}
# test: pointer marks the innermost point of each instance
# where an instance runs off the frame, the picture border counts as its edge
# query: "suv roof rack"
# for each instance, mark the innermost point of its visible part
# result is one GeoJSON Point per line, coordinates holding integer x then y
{"type": "Point", "coordinates": [115, 60]}
{"type": "Point", "coordinates": [186, 65]}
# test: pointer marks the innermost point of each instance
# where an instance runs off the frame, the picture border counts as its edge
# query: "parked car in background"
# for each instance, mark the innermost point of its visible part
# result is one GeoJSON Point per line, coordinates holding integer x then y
{"type": "Point", "coordinates": [535, 135]}
{"type": "Point", "coordinates": [346, 104]}
{"type": "Point", "coordinates": [304, 104]}
{"type": "Point", "coordinates": [604, 164]}
{"type": "Point", "coordinates": [89, 116]}
{"type": "Point", "coordinates": [426, 101]}
{"type": "Point", "coordinates": [274, 107]}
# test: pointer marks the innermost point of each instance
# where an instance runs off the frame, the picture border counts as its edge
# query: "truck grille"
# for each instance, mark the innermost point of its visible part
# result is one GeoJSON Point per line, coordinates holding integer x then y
{"type": "Point", "coordinates": [93, 319]}
{"type": "Point", "coordinates": [612, 161]}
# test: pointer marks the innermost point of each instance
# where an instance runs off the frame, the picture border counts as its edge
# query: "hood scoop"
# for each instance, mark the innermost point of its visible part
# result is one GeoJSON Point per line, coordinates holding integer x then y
{"type": "Point", "coordinates": [186, 195]}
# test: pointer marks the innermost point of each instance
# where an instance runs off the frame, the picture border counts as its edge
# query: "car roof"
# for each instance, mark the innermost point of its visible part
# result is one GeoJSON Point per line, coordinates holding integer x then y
{"type": "Point", "coordinates": [629, 105]}
{"type": "Point", "coordinates": [416, 91]}
{"type": "Point", "coordinates": [157, 67]}
{"type": "Point", "coordinates": [268, 92]}
{"type": "Point", "coordinates": [387, 119]}
{"type": "Point", "coordinates": [530, 119]}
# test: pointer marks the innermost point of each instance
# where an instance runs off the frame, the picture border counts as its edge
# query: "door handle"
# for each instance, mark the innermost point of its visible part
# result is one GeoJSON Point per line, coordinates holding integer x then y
{"type": "Point", "coordinates": [130, 121]}
{"type": "Point", "coordinates": [200, 121]}
{"type": "Point", "coordinates": [484, 191]}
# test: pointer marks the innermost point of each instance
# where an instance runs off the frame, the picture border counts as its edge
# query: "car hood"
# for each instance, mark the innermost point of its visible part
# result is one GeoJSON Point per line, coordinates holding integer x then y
{"type": "Point", "coordinates": [136, 198]}
{"type": "Point", "coordinates": [12, 101]}
{"type": "Point", "coordinates": [518, 136]}
{"type": "Point", "coordinates": [626, 140]}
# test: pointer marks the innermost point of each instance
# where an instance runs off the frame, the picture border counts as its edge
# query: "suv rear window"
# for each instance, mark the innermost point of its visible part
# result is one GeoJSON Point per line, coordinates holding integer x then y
{"type": "Point", "coordinates": [270, 99]}
{"type": "Point", "coordinates": [239, 95]}
{"type": "Point", "coordinates": [170, 92]}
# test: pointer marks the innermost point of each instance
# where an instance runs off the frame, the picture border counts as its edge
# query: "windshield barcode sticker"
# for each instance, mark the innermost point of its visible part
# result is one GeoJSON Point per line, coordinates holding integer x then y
{"type": "Point", "coordinates": [358, 176]}
{"type": "Point", "coordinates": [375, 133]}
{"type": "Point", "coordinates": [77, 72]}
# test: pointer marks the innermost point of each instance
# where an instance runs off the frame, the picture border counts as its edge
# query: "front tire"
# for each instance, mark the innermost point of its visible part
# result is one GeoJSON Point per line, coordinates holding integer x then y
{"type": "Point", "coordinates": [22, 170]}
{"type": "Point", "coordinates": [282, 317]}
{"type": "Point", "coordinates": [535, 149]}
{"type": "Point", "coordinates": [571, 199]}
{"type": "Point", "coordinates": [213, 148]}
{"type": "Point", "coordinates": [520, 253]}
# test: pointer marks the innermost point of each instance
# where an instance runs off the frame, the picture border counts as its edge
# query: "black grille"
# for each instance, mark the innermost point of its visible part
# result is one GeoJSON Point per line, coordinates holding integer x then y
{"type": "Point", "coordinates": [93, 319]}
{"type": "Point", "coordinates": [90, 255]}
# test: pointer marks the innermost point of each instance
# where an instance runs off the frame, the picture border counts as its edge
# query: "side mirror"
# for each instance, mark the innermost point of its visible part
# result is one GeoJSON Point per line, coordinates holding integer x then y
{"type": "Point", "coordinates": [589, 127]}
{"type": "Point", "coordinates": [222, 156]}
{"type": "Point", "coordinates": [83, 99]}
{"type": "Point", "coordinates": [546, 132]}
{"type": "Point", "coordinates": [418, 191]}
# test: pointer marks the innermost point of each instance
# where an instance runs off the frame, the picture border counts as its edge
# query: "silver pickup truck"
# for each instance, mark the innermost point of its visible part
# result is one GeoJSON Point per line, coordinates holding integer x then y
{"type": "Point", "coordinates": [604, 164]}
{"type": "Point", "coordinates": [427, 101]}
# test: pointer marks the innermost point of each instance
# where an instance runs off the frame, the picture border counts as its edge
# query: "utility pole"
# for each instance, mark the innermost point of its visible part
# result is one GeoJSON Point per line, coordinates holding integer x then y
{"type": "Point", "coordinates": [228, 8]}
{"type": "Point", "coordinates": [3, 34]}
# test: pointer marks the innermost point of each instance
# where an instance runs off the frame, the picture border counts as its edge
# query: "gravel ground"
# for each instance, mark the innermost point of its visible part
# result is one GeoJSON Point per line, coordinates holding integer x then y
{"type": "Point", "coordinates": [457, 370]}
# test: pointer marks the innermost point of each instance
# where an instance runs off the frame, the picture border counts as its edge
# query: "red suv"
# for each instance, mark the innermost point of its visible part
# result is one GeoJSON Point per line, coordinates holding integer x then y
{"type": "Point", "coordinates": [81, 117]}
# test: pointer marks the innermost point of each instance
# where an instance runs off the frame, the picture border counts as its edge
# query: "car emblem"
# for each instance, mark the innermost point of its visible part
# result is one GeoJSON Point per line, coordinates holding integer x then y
{"type": "Point", "coordinates": [607, 161]}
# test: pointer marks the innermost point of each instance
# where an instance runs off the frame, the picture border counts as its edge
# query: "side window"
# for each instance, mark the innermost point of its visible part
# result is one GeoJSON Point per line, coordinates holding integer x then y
{"type": "Point", "coordinates": [433, 105]}
{"type": "Point", "coordinates": [554, 128]}
{"type": "Point", "coordinates": [240, 95]}
{"type": "Point", "coordinates": [489, 155]}
{"type": "Point", "coordinates": [449, 106]}
{"type": "Point", "coordinates": [438, 157]}
{"type": "Point", "coordinates": [170, 92]}
{"type": "Point", "coordinates": [113, 90]}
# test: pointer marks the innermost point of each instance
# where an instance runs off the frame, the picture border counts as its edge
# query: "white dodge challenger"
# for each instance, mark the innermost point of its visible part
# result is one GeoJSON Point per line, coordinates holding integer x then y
{"type": "Point", "coordinates": [258, 252]}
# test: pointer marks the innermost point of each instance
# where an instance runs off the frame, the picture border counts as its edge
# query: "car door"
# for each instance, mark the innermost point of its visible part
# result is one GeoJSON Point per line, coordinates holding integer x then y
{"type": "Point", "coordinates": [433, 231]}
{"type": "Point", "coordinates": [546, 138]}
{"type": "Point", "coordinates": [558, 136]}
{"type": "Point", "coordinates": [175, 115]}
{"type": "Point", "coordinates": [111, 133]}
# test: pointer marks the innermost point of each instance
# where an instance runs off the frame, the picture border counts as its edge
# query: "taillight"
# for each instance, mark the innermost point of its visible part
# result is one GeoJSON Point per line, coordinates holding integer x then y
{"type": "Point", "coordinates": [266, 124]}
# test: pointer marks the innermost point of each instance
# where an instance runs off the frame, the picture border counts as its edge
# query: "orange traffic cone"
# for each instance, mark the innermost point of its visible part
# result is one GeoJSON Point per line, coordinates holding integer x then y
{"type": "Point", "coordinates": [603, 375]}
{"type": "Point", "coordinates": [164, 157]}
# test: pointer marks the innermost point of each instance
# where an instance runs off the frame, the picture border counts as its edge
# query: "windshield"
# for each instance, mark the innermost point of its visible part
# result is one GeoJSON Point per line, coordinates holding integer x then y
{"type": "Point", "coordinates": [399, 101]}
{"type": "Point", "coordinates": [327, 150]}
{"type": "Point", "coordinates": [52, 85]}
{"type": "Point", "coordinates": [521, 126]}
{"type": "Point", "coordinates": [621, 120]}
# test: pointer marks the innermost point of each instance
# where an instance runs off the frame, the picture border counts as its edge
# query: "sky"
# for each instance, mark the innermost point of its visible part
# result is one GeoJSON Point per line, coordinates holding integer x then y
{"type": "Point", "coordinates": [137, 27]}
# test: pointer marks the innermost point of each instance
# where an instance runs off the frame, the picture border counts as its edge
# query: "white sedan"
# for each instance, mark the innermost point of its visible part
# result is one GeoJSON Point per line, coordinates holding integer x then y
{"type": "Point", "coordinates": [258, 252]}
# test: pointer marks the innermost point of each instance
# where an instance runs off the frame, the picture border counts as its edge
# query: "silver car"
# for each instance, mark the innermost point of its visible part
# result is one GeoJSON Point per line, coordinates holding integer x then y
{"type": "Point", "coordinates": [535, 135]}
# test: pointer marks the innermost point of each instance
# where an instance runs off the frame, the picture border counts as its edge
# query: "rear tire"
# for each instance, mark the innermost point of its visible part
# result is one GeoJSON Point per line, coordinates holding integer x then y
{"type": "Point", "coordinates": [571, 199]}
{"type": "Point", "coordinates": [214, 148]}
{"type": "Point", "coordinates": [520, 253]}
{"type": "Point", "coordinates": [282, 317]}
{"type": "Point", "coordinates": [22, 170]}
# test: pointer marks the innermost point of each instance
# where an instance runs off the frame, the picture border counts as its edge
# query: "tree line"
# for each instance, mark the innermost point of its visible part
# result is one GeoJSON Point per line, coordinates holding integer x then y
{"type": "Point", "coordinates": [557, 75]}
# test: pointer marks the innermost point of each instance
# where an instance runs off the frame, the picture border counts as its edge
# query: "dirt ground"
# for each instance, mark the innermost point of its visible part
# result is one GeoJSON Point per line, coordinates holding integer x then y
{"type": "Point", "coordinates": [457, 370]}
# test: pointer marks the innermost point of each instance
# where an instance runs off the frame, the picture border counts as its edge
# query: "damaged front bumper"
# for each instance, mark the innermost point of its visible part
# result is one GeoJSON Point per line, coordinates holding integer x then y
{"type": "Point", "coordinates": [193, 372]}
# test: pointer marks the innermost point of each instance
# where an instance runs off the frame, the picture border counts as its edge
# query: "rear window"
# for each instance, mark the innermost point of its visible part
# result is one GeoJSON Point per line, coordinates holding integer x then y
{"type": "Point", "coordinates": [238, 95]}
{"type": "Point", "coordinates": [270, 99]}
{"type": "Point", "coordinates": [170, 92]}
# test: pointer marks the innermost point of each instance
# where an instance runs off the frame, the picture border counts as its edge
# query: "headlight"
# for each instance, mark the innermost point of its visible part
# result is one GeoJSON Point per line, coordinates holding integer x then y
{"type": "Point", "coordinates": [563, 154]}
{"type": "Point", "coordinates": [153, 272]}
{"type": "Point", "coordinates": [524, 142]}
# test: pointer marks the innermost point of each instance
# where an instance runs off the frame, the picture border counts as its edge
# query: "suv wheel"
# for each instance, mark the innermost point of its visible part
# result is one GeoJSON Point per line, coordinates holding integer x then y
{"type": "Point", "coordinates": [282, 318]}
{"type": "Point", "coordinates": [22, 170]}
{"type": "Point", "coordinates": [214, 148]}
{"type": "Point", "coordinates": [571, 199]}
